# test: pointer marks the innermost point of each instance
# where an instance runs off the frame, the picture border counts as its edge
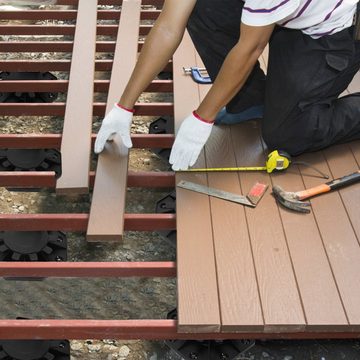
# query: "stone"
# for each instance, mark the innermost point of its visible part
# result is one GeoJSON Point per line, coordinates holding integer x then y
{"type": "Point", "coordinates": [124, 351]}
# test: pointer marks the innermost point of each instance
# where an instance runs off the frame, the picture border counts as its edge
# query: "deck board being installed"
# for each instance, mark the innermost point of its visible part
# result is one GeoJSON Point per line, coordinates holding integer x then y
{"type": "Point", "coordinates": [106, 222]}
{"type": "Point", "coordinates": [276, 270]}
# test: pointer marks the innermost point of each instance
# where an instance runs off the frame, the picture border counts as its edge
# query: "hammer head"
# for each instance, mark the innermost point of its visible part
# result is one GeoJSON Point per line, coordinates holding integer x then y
{"type": "Point", "coordinates": [290, 200]}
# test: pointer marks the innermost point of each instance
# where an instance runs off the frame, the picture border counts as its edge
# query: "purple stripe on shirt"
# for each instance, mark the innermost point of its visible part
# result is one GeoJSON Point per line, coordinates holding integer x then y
{"type": "Point", "coordinates": [265, 10]}
{"type": "Point", "coordinates": [299, 13]}
{"type": "Point", "coordinates": [327, 17]}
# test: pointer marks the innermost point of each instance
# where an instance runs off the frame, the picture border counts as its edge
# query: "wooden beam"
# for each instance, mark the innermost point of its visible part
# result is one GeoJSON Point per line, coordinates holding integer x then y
{"type": "Point", "coordinates": [76, 138]}
{"type": "Point", "coordinates": [108, 202]}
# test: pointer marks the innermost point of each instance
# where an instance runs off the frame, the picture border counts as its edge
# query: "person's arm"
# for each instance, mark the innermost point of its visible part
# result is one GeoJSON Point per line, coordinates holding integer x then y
{"type": "Point", "coordinates": [235, 69]}
{"type": "Point", "coordinates": [160, 45]}
{"type": "Point", "coordinates": [196, 128]}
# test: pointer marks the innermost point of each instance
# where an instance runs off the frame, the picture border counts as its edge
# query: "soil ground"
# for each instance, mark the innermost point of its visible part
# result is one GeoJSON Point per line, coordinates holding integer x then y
{"type": "Point", "coordinates": [116, 298]}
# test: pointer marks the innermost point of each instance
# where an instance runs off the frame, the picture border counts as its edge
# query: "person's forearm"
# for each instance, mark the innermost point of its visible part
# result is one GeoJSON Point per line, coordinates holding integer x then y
{"type": "Point", "coordinates": [236, 69]}
{"type": "Point", "coordinates": [232, 76]}
{"type": "Point", "coordinates": [156, 52]}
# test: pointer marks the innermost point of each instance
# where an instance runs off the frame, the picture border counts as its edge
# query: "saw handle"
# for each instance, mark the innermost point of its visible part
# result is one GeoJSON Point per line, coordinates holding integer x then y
{"type": "Point", "coordinates": [329, 186]}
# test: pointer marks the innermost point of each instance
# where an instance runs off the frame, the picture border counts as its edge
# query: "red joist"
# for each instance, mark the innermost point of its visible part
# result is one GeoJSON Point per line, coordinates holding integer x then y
{"type": "Point", "coordinates": [53, 46]}
{"type": "Point", "coordinates": [45, 141]}
{"type": "Point", "coordinates": [88, 269]}
{"type": "Point", "coordinates": [105, 30]}
{"type": "Point", "coordinates": [62, 85]}
{"type": "Point", "coordinates": [40, 179]}
{"type": "Point", "coordinates": [79, 222]}
{"type": "Point", "coordinates": [70, 15]}
{"type": "Point", "coordinates": [136, 329]}
{"type": "Point", "coordinates": [55, 65]}
{"type": "Point", "coordinates": [58, 109]}
{"type": "Point", "coordinates": [111, 2]}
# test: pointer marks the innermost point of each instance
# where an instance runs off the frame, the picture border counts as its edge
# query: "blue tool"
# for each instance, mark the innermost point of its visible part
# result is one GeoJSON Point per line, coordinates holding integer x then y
{"type": "Point", "coordinates": [196, 74]}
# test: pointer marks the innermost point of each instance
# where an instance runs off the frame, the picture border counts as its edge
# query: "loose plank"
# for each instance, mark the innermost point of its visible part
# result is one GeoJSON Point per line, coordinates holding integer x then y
{"type": "Point", "coordinates": [198, 302]}
{"type": "Point", "coordinates": [106, 222]}
{"type": "Point", "coordinates": [76, 139]}
{"type": "Point", "coordinates": [238, 291]}
{"type": "Point", "coordinates": [279, 295]}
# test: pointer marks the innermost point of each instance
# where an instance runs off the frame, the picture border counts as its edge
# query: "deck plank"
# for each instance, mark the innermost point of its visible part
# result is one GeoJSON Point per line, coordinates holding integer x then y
{"type": "Point", "coordinates": [76, 139]}
{"type": "Point", "coordinates": [106, 221]}
{"type": "Point", "coordinates": [319, 294]}
{"type": "Point", "coordinates": [279, 295]}
{"type": "Point", "coordinates": [342, 162]}
{"type": "Point", "coordinates": [198, 302]}
{"type": "Point", "coordinates": [339, 239]}
{"type": "Point", "coordinates": [240, 305]}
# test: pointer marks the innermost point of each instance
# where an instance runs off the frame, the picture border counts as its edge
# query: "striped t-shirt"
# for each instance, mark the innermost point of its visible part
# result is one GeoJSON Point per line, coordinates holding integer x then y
{"type": "Point", "coordinates": [313, 17]}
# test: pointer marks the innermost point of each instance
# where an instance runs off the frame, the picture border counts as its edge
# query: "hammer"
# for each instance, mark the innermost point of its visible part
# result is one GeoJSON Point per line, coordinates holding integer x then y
{"type": "Point", "coordinates": [293, 200]}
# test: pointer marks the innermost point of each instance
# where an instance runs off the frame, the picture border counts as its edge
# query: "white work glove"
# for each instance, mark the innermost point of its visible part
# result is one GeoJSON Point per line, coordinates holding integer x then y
{"type": "Point", "coordinates": [117, 121]}
{"type": "Point", "coordinates": [190, 140]}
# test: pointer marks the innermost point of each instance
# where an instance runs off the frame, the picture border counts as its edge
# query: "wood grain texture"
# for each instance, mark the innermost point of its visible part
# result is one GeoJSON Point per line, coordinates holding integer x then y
{"type": "Point", "coordinates": [342, 162]}
{"type": "Point", "coordinates": [240, 305]}
{"type": "Point", "coordinates": [281, 304]}
{"type": "Point", "coordinates": [339, 238]}
{"type": "Point", "coordinates": [106, 222]}
{"type": "Point", "coordinates": [76, 139]}
{"type": "Point", "coordinates": [320, 298]}
{"type": "Point", "coordinates": [198, 302]}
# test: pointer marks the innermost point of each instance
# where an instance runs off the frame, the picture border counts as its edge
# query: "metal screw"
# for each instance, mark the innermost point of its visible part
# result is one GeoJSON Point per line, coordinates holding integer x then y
{"type": "Point", "coordinates": [60, 240]}
{"type": "Point", "coordinates": [224, 356]}
{"type": "Point", "coordinates": [58, 258]}
{"type": "Point", "coordinates": [61, 345]}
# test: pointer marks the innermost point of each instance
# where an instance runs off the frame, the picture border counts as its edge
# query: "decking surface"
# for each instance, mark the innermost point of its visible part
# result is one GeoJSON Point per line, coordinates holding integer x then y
{"type": "Point", "coordinates": [265, 269]}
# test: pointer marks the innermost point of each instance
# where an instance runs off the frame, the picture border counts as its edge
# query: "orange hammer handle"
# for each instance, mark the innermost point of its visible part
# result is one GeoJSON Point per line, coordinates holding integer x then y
{"type": "Point", "coordinates": [306, 194]}
{"type": "Point", "coordinates": [331, 185]}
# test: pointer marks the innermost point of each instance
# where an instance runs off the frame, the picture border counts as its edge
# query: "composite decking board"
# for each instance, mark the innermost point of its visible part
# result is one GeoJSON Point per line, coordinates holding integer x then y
{"type": "Point", "coordinates": [76, 139]}
{"type": "Point", "coordinates": [339, 239]}
{"type": "Point", "coordinates": [198, 302]}
{"type": "Point", "coordinates": [106, 221]}
{"type": "Point", "coordinates": [281, 303]}
{"type": "Point", "coordinates": [320, 297]}
{"type": "Point", "coordinates": [355, 148]}
{"type": "Point", "coordinates": [238, 292]}
{"type": "Point", "coordinates": [342, 162]}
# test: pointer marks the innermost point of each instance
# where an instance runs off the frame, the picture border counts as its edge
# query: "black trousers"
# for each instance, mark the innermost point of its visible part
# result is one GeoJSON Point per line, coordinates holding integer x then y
{"type": "Point", "coordinates": [303, 111]}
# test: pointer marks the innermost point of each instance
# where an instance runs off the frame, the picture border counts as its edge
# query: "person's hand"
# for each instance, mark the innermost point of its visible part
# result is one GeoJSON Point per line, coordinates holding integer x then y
{"type": "Point", "coordinates": [190, 140]}
{"type": "Point", "coordinates": [117, 121]}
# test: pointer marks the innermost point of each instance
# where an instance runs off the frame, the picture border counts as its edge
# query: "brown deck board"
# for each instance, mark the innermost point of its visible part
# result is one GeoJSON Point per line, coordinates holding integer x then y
{"type": "Point", "coordinates": [106, 222]}
{"type": "Point", "coordinates": [198, 302]}
{"type": "Point", "coordinates": [320, 298]}
{"type": "Point", "coordinates": [342, 162]}
{"type": "Point", "coordinates": [76, 139]}
{"type": "Point", "coordinates": [355, 148]}
{"type": "Point", "coordinates": [278, 291]}
{"type": "Point", "coordinates": [339, 239]}
{"type": "Point", "coordinates": [240, 305]}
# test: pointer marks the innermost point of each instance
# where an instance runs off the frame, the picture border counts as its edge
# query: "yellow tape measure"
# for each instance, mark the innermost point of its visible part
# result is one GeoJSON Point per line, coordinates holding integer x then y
{"type": "Point", "coordinates": [277, 160]}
